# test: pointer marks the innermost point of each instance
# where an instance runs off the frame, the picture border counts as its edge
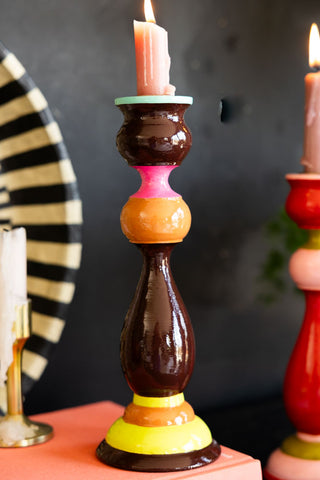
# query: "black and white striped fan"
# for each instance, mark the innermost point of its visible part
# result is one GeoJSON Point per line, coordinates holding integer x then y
{"type": "Point", "coordinates": [38, 191]}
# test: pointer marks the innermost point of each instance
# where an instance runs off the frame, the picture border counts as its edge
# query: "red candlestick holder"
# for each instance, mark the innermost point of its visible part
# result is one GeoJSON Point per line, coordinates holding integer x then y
{"type": "Point", "coordinates": [298, 458]}
{"type": "Point", "coordinates": [159, 431]}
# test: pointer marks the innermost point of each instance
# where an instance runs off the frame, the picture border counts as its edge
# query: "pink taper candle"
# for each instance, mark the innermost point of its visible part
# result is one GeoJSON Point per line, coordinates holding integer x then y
{"type": "Point", "coordinates": [311, 155]}
{"type": "Point", "coordinates": [152, 57]}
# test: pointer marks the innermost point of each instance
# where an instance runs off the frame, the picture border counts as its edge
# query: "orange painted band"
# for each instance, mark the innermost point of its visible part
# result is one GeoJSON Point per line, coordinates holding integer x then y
{"type": "Point", "coordinates": [155, 220]}
{"type": "Point", "coordinates": [158, 417]}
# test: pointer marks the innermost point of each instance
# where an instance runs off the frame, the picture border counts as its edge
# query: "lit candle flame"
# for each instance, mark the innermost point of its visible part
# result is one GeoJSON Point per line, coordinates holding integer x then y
{"type": "Point", "coordinates": [148, 11]}
{"type": "Point", "coordinates": [314, 47]}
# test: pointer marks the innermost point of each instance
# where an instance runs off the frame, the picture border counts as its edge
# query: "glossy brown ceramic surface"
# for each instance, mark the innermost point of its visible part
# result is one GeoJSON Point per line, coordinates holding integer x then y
{"type": "Point", "coordinates": [157, 341]}
{"type": "Point", "coordinates": [154, 134]}
{"type": "Point", "coordinates": [157, 463]}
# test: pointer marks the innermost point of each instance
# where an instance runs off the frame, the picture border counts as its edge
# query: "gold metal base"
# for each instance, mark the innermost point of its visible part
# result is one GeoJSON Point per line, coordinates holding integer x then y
{"type": "Point", "coordinates": [16, 430]}
{"type": "Point", "coordinates": [22, 432]}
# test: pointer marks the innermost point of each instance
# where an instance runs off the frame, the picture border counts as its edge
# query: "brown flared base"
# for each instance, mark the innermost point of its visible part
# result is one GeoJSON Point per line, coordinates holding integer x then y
{"type": "Point", "coordinates": [157, 463]}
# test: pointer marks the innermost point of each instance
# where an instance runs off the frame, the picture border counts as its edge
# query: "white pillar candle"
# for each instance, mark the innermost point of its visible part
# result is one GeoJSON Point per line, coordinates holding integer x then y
{"type": "Point", "coordinates": [13, 290]}
{"type": "Point", "coordinates": [19, 265]}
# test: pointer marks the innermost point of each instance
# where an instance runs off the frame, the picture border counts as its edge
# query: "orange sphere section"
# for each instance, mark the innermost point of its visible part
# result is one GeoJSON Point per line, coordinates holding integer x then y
{"type": "Point", "coordinates": [155, 220]}
{"type": "Point", "coordinates": [158, 417]}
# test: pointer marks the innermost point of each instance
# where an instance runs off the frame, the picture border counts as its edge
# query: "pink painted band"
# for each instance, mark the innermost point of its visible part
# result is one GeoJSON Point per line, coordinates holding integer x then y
{"type": "Point", "coordinates": [306, 437]}
{"type": "Point", "coordinates": [304, 268]}
{"type": "Point", "coordinates": [154, 182]}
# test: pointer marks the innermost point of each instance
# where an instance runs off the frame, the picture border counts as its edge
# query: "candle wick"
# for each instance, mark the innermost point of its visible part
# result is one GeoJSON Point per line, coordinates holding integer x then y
{"type": "Point", "coordinates": [315, 68]}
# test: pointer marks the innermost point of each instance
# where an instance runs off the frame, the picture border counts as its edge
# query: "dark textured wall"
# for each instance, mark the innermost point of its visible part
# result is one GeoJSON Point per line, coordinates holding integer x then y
{"type": "Point", "coordinates": [252, 53]}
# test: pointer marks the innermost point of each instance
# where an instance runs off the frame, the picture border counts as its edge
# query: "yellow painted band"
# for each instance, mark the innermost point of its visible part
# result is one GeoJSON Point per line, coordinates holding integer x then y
{"type": "Point", "coordinates": [296, 447]}
{"type": "Point", "coordinates": [159, 402]}
{"type": "Point", "coordinates": [184, 438]}
{"type": "Point", "coordinates": [313, 242]}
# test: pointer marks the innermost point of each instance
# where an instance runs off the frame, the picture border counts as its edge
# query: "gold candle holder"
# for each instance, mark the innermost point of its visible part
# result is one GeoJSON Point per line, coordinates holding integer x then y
{"type": "Point", "coordinates": [16, 430]}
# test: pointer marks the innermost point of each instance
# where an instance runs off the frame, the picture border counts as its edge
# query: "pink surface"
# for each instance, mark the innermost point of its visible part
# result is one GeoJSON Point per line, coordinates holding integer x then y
{"type": "Point", "coordinates": [155, 182]}
{"type": "Point", "coordinates": [70, 455]}
{"type": "Point", "coordinates": [304, 267]}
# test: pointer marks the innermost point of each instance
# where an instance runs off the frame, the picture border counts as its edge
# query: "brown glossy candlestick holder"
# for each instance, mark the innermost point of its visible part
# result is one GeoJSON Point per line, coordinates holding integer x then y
{"type": "Point", "coordinates": [16, 430]}
{"type": "Point", "coordinates": [159, 430]}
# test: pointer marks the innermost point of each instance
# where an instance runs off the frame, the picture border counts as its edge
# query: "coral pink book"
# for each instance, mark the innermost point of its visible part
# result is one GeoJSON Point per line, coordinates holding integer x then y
{"type": "Point", "coordinates": [71, 453]}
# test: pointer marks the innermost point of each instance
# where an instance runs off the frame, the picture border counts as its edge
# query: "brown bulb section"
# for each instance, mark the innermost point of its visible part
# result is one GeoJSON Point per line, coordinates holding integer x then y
{"type": "Point", "coordinates": [154, 134]}
{"type": "Point", "coordinates": [157, 341]}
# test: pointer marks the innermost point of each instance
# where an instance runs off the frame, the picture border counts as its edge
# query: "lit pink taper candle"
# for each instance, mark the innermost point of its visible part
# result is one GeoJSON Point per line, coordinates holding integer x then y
{"type": "Point", "coordinates": [311, 154]}
{"type": "Point", "coordinates": [152, 57]}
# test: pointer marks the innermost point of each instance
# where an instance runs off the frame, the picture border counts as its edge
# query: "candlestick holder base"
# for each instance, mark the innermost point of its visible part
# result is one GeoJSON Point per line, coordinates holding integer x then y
{"type": "Point", "coordinates": [158, 435]}
{"type": "Point", "coordinates": [16, 430]}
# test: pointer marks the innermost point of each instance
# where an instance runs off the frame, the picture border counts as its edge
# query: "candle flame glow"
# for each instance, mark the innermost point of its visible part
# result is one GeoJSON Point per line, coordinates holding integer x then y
{"type": "Point", "coordinates": [148, 11]}
{"type": "Point", "coordinates": [314, 47]}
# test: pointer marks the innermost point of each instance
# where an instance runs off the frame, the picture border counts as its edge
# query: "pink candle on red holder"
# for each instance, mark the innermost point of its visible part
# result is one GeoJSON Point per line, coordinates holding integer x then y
{"type": "Point", "coordinates": [311, 154]}
{"type": "Point", "coordinates": [152, 57]}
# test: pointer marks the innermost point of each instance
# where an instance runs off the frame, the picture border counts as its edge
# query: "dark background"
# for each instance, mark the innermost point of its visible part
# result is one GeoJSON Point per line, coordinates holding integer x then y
{"type": "Point", "coordinates": [252, 54]}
